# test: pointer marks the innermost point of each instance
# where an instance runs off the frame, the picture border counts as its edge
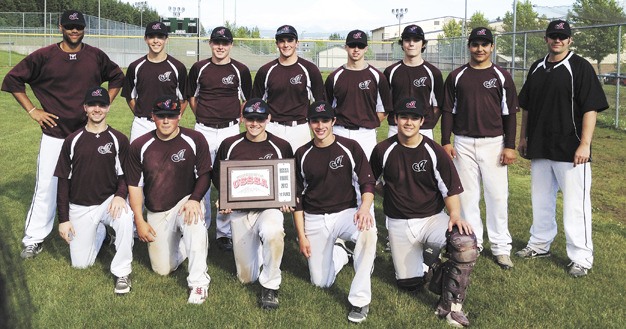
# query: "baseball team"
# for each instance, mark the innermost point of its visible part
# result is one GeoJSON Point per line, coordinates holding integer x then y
{"type": "Point", "coordinates": [155, 186]}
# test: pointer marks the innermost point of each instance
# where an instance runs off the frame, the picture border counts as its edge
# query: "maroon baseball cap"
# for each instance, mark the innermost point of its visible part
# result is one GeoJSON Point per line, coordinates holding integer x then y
{"type": "Point", "coordinates": [481, 33]}
{"type": "Point", "coordinates": [410, 105]}
{"type": "Point", "coordinates": [97, 95]}
{"type": "Point", "coordinates": [72, 17]}
{"type": "Point", "coordinates": [413, 31]}
{"type": "Point", "coordinates": [167, 104]}
{"type": "Point", "coordinates": [156, 28]}
{"type": "Point", "coordinates": [320, 109]}
{"type": "Point", "coordinates": [256, 108]}
{"type": "Point", "coordinates": [356, 37]}
{"type": "Point", "coordinates": [286, 31]}
{"type": "Point", "coordinates": [559, 27]}
{"type": "Point", "coordinates": [221, 33]}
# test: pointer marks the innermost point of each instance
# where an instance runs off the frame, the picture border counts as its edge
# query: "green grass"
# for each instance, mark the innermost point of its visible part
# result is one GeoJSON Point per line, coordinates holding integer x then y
{"type": "Point", "coordinates": [47, 293]}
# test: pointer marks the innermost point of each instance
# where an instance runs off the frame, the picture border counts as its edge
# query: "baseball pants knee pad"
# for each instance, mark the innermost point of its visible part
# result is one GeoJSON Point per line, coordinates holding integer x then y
{"type": "Point", "coordinates": [410, 284]}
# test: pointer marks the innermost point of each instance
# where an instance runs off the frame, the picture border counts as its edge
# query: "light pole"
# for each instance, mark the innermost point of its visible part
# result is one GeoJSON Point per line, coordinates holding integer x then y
{"type": "Point", "coordinates": [198, 31]}
{"type": "Point", "coordinates": [399, 15]}
{"type": "Point", "coordinates": [141, 5]}
{"type": "Point", "coordinates": [176, 11]}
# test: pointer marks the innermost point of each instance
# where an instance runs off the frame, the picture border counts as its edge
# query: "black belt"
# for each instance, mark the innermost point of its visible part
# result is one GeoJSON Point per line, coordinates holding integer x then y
{"type": "Point", "coordinates": [145, 118]}
{"type": "Point", "coordinates": [291, 123]}
{"type": "Point", "coordinates": [352, 127]}
{"type": "Point", "coordinates": [219, 125]}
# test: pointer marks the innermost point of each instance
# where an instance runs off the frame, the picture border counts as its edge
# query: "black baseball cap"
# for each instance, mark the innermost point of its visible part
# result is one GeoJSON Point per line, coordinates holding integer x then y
{"type": "Point", "coordinates": [410, 105]}
{"type": "Point", "coordinates": [559, 26]}
{"type": "Point", "coordinates": [320, 109]}
{"type": "Point", "coordinates": [256, 108]}
{"type": "Point", "coordinates": [481, 33]}
{"type": "Point", "coordinates": [286, 31]}
{"type": "Point", "coordinates": [221, 33]}
{"type": "Point", "coordinates": [412, 31]}
{"type": "Point", "coordinates": [156, 28]}
{"type": "Point", "coordinates": [356, 37]}
{"type": "Point", "coordinates": [166, 104]}
{"type": "Point", "coordinates": [97, 95]}
{"type": "Point", "coordinates": [72, 17]}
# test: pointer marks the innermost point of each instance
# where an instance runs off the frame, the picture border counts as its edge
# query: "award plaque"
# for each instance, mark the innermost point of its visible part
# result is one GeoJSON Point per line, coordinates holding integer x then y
{"type": "Point", "coordinates": [257, 184]}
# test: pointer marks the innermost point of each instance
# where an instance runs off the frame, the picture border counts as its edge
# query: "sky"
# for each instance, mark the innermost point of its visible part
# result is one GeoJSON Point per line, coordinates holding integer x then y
{"type": "Point", "coordinates": [321, 17]}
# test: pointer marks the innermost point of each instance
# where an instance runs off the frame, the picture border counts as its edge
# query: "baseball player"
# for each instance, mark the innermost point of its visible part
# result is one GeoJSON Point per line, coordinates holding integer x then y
{"type": "Point", "coordinates": [480, 103]}
{"type": "Point", "coordinates": [419, 181]}
{"type": "Point", "coordinates": [414, 77]}
{"type": "Point", "coordinates": [289, 84]}
{"type": "Point", "coordinates": [258, 234]}
{"type": "Point", "coordinates": [171, 166]}
{"type": "Point", "coordinates": [359, 93]}
{"type": "Point", "coordinates": [59, 76]}
{"type": "Point", "coordinates": [218, 86]}
{"type": "Point", "coordinates": [92, 190]}
{"type": "Point", "coordinates": [328, 169]}
{"type": "Point", "coordinates": [151, 76]}
{"type": "Point", "coordinates": [561, 99]}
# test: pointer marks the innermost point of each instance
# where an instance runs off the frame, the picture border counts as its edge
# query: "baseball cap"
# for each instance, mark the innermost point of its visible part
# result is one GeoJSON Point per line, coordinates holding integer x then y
{"type": "Point", "coordinates": [559, 26]}
{"type": "Point", "coordinates": [97, 95]}
{"type": "Point", "coordinates": [481, 33]}
{"type": "Point", "coordinates": [72, 17]}
{"type": "Point", "coordinates": [256, 108]}
{"type": "Point", "coordinates": [221, 33]}
{"type": "Point", "coordinates": [356, 37]}
{"type": "Point", "coordinates": [412, 31]}
{"type": "Point", "coordinates": [320, 109]}
{"type": "Point", "coordinates": [410, 105]}
{"type": "Point", "coordinates": [156, 28]}
{"type": "Point", "coordinates": [286, 31]}
{"type": "Point", "coordinates": [166, 104]}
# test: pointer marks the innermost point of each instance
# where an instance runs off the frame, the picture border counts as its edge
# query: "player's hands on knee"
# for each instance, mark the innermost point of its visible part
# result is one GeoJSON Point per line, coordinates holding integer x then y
{"type": "Point", "coordinates": [305, 246]}
{"type": "Point", "coordinates": [450, 150]}
{"type": "Point", "coordinates": [44, 118]}
{"type": "Point", "coordinates": [145, 232]}
{"type": "Point", "coordinates": [117, 207]}
{"type": "Point", "coordinates": [363, 219]}
{"type": "Point", "coordinates": [192, 211]}
{"type": "Point", "coordinates": [464, 226]}
{"type": "Point", "coordinates": [66, 231]}
{"type": "Point", "coordinates": [507, 156]}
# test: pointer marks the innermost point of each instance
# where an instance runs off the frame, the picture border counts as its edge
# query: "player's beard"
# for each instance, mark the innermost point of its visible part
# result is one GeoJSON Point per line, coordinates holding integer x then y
{"type": "Point", "coordinates": [71, 43]}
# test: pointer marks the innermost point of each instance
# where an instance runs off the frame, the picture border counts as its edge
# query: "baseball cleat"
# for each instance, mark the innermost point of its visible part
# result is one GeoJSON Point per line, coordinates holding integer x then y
{"type": "Point", "coordinates": [358, 314]}
{"type": "Point", "coordinates": [576, 270]}
{"type": "Point", "coordinates": [269, 299]}
{"type": "Point", "coordinates": [31, 250]}
{"type": "Point", "coordinates": [197, 295]}
{"type": "Point", "coordinates": [528, 252]}
{"type": "Point", "coordinates": [122, 285]}
{"type": "Point", "coordinates": [504, 261]}
{"type": "Point", "coordinates": [225, 244]}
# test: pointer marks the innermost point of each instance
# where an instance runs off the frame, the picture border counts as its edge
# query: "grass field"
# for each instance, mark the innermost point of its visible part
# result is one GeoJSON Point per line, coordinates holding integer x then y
{"type": "Point", "coordinates": [46, 292]}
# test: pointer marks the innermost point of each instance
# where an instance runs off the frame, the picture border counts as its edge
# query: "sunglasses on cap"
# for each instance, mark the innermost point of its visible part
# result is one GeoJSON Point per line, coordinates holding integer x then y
{"type": "Point", "coordinates": [557, 36]}
{"type": "Point", "coordinates": [254, 109]}
{"type": "Point", "coordinates": [70, 27]}
{"type": "Point", "coordinates": [356, 45]}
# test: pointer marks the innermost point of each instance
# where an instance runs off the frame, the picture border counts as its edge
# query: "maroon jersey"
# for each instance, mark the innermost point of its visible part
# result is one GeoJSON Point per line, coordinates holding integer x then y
{"type": "Point", "coordinates": [219, 90]}
{"type": "Point", "coordinates": [60, 80]}
{"type": "Point", "coordinates": [146, 81]}
{"type": "Point", "coordinates": [482, 102]}
{"type": "Point", "coordinates": [169, 170]}
{"type": "Point", "coordinates": [423, 82]}
{"type": "Point", "coordinates": [357, 96]}
{"type": "Point", "coordinates": [238, 147]}
{"type": "Point", "coordinates": [416, 180]}
{"type": "Point", "coordinates": [326, 177]}
{"type": "Point", "coordinates": [93, 165]}
{"type": "Point", "coordinates": [288, 90]}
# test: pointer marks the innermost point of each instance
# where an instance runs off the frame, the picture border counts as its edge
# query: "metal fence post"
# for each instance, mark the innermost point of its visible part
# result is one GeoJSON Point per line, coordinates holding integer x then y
{"type": "Point", "coordinates": [617, 85]}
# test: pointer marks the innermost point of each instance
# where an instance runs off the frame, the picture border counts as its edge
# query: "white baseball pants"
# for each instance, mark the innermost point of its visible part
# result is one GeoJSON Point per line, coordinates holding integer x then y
{"type": "Point", "coordinates": [296, 135]}
{"type": "Point", "coordinates": [140, 126]}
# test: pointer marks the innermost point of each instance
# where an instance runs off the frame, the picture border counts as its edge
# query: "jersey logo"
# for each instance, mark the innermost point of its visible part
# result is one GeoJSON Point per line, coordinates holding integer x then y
{"type": "Point", "coordinates": [297, 80]}
{"type": "Point", "coordinates": [104, 149]}
{"type": "Point", "coordinates": [267, 157]}
{"type": "Point", "coordinates": [419, 166]}
{"type": "Point", "coordinates": [365, 84]}
{"type": "Point", "coordinates": [421, 82]}
{"type": "Point", "coordinates": [165, 76]}
{"type": "Point", "coordinates": [229, 80]}
{"type": "Point", "coordinates": [180, 156]}
{"type": "Point", "coordinates": [491, 83]}
{"type": "Point", "coordinates": [72, 57]}
{"type": "Point", "coordinates": [73, 16]}
{"type": "Point", "coordinates": [337, 163]}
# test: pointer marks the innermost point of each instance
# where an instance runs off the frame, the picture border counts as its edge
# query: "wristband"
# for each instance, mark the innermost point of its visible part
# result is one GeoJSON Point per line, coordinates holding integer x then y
{"type": "Point", "coordinates": [31, 110]}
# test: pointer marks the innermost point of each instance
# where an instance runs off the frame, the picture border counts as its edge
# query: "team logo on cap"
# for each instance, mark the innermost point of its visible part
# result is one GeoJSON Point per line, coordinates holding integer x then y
{"type": "Point", "coordinates": [560, 26]}
{"type": "Point", "coordinates": [256, 106]}
{"type": "Point", "coordinates": [413, 28]}
{"type": "Point", "coordinates": [321, 108]}
{"type": "Point", "coordinates": [165, 76]}
{"type": "Point", "coordinates": [283, 29]}
{"type": "Point", "coordinates": [337, 163]}
{"type": "Point", "coordinates": [179, 156]}
{"type": "Point", "coordinates": [296, 80]}
{"type": "Point", "coordinates": [73, 16]}
{"type": "Point", "coordinates": [410, 105]}
{"type": "Point", "coordinates": [229, 80]}
{"type": "Point", "coordinates": [491, 83]}
{"type": "Point", "coordinates": [357, 35]}
{"type": "Point", "coordinates": [220, 32]}
{"type": "Point", "coordinates": [419, 166]}
{"type": "Point", "coordinates": [481, 32]}
{"type": "Point", "coordinates": [365, 84]}
{"type": "Point", "coordinates": [104, 149]}
{"type": "Point", "coordinates": [421, 82]}
{"type": "Point", "coordinates": [156, 26]}
{"type": "Point", "coordinates": [97, 92]}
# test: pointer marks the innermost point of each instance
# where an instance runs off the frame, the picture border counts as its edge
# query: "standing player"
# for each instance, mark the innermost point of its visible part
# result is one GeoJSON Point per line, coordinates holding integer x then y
{"type": "Point", "coordinates": [173, 165]}
{"type": "Point", "coordinates": [419, 181]}
{"type": "Point", "coordinates": [258, 234]}
{"type": "Point", "coordinates": [289, 84]}
{"type": "Point", "coordinates": [59, 76]}
{"type": "Point", "coordinates": [151, 76]}
{"type": "Point", "coordinates": [414, 77]}
{"type": "Point", "coordinates": [329, 167]}
{"type": "Point", "coordinates": [479, 107]}
{"type": "Point", "coordinates": [561, 99]}
{"type": "Point", "coordinates": [359, 94]}
{"type": "Point", "coordinates": [217, 86]}
{"type": "Point", "coordinates": [92, 190]}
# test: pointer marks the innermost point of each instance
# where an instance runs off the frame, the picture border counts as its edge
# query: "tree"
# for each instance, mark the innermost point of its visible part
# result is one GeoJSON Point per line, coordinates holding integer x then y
{"type": "Point", "coordinates": [451, 29]}
{"type": "Point", "coordinates": [477, 20]}
{"type": "Point", "coordinates": [335, 36]}
{"type": "Point", "coordinates": [527, 20]}
{"type": "Point", "coordinates": [599, 42]}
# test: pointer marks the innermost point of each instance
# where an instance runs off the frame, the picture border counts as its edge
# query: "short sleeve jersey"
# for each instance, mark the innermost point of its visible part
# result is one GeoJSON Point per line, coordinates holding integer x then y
{"type": "Point", "coordinates": [146, 81]}
{"type": "Point", "coordinates": [168, 170]}
{"type": "Point", "coordinates": [326, 177]}
{"type": "Point", "coordinates": [358, 96]}
{"type": "Point", "coordinates": [92, 163]}
{"type": "Point", "coordinates": [478, 98]}
{"type": "Point", "coordinates": [423, 82]}
{"type": "Point", "coordinates": [556, 96]}
{"type": "Point", "coordinates": [238, 147]}
{"type": "Point", "coordinates": [60, 80]}
{"type": "Point", "coordinates": [219, 90]}
{"type": "Point", "coordinates": [288, 90]}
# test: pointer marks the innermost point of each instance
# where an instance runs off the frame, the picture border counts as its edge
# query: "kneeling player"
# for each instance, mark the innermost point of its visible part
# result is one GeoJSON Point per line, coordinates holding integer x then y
{"type": "Point", "coordinates": [419, 181]}
{"type": "Point", "coordinates": [327, 170]}
{"type": "Point", "coordinates": [92, 190]}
